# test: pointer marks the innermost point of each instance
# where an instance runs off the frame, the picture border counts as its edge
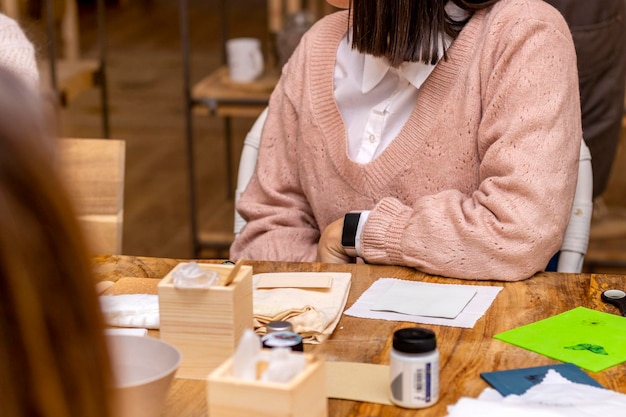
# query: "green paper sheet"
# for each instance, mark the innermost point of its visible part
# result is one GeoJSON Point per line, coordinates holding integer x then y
{"type": "Point", "coordinates": [591, 339]}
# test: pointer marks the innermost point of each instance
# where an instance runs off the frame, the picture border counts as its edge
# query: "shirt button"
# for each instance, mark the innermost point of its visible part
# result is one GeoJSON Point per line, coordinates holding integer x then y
{"type": "Point", "coordinates": [372, 138]}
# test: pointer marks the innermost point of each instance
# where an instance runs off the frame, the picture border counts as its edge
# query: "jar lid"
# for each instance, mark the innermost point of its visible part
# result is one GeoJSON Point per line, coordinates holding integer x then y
{"type": "Point", "coordinates": [279, 326]}
{"type": "Point", "coordinates": [414, 340]}
{"type": "Point", "coordinates": [283, 339]}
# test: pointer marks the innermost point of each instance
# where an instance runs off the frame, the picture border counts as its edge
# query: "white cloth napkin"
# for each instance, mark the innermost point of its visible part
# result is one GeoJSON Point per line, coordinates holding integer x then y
{"type": "Point", "coordinates": [555, 396]}
{"type": "Point", "coordinates": [115, 331]}
{"type": "Point", "coordinates": [131, 310]}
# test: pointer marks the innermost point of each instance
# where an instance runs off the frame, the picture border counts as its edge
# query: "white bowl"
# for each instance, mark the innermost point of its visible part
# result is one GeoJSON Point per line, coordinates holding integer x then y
{"type": "Point", "coordinates": [143, 368]}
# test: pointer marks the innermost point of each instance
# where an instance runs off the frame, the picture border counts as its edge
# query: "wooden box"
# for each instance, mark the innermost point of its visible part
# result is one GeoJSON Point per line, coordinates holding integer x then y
{"type": "Point", "coordinates": [304, 396]}
{"type": "Point", "coordinates": [205, 324]}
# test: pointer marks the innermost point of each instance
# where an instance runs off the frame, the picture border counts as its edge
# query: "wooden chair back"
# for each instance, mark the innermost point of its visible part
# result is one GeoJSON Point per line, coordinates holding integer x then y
{"type": "Point", "coordinates": [93, 170]}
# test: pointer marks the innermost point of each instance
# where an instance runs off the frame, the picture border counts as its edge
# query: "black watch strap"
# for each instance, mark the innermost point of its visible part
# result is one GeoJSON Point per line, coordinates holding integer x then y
{"type": "Point", "coordinates": [348, 235]}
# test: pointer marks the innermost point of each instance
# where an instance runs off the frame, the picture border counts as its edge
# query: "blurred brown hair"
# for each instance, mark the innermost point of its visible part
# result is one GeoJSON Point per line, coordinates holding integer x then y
{"type": "Point", "coordinates": [53, 356]}
{"type": "Point", "coordinates": [406, 30]}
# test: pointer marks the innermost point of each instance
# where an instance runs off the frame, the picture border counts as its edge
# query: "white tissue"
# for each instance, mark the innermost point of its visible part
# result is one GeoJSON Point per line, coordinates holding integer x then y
{"type": "Point", "coordinates": [246, 355]}
{"type": "Point", "coordinates": [283, 365]}
{"type": "Point", "coordinates": [190, 275]}
{"type": "Point", "coordinates": [555, 396]}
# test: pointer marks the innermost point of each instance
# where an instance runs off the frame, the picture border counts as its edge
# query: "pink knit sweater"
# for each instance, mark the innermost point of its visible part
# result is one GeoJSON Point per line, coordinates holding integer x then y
{"type": "Point", "coordinates": [478, 184]}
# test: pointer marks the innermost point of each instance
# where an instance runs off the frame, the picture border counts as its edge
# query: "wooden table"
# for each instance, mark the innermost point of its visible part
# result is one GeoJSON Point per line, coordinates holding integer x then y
{"type": "Point", "coordinates": [464, 353]}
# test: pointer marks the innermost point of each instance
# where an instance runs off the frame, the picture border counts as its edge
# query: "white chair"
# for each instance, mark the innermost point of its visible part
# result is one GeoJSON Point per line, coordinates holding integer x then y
{"type": "Point", "coordinates": [575, 240]}
{"type": "Point", "coordinates": [247, 163]}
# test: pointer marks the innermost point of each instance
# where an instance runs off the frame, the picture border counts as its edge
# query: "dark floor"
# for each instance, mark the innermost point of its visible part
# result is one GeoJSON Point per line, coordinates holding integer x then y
{"type": "Point", "coordinates": [145, 85]}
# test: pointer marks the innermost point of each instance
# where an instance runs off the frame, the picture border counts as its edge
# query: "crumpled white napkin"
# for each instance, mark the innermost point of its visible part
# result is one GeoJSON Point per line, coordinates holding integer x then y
{"type": "Point", "coordinates": [555, 396]}
{"type": "Point", "coordinates": [131, 310]}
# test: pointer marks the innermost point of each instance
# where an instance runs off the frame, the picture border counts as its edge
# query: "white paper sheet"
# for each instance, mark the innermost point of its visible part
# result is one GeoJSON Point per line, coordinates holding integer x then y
{"type": "Point", "coordinates": [421, 300]}
{"type": "Point", "coordinates": [473, 311]}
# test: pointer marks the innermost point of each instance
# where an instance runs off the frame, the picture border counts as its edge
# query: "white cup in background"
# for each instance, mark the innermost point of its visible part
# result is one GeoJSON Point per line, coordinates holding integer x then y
{"type": "Point", "coordinates": [245, 59]}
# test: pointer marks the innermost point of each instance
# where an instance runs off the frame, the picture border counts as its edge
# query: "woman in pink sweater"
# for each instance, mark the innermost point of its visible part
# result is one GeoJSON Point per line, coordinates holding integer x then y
{"type": "Point", "coordinates": [452, 128]}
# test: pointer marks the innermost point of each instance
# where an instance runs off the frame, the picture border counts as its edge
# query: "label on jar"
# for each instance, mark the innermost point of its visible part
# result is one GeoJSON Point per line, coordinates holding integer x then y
{"type": "Point", "coordinates": [415, 384]}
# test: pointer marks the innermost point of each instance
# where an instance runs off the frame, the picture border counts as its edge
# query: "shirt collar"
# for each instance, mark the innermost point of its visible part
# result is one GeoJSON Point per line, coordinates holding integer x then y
{"type": "Point", "coordinates": [375, 69]}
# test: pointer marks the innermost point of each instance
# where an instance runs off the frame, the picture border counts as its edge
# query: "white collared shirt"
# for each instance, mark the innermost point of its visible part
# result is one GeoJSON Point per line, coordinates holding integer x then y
{"type": "Point", "coordinates": [375, 100]}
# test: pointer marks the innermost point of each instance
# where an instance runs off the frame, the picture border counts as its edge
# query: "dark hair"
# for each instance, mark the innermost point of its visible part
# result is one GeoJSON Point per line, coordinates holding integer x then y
{"type": "Point", "coordinates": [54, 357]}
{"type": "Point", "coordinates": [406, 30]}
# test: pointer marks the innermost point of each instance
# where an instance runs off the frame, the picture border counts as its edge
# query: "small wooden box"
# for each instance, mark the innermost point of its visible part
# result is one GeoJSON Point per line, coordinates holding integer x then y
{"type": "Point", "coordinates": [304, 396]}
{"type": "Point", "coordinates": [205, 324]}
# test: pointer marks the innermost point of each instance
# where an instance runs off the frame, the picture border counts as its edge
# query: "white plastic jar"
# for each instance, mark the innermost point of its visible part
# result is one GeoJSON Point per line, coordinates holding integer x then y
{"type": "Point", "coordinates": [414, 368]}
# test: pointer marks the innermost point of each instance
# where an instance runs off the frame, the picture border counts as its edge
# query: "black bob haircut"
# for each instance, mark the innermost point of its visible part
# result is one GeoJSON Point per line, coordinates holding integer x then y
{"type": "Point", "coordinates": [406, 30]}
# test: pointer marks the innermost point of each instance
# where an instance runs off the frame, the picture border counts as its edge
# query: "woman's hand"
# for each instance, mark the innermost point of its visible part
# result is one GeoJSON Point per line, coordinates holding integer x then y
{"type": "Point", "coordinates": [329, 249]}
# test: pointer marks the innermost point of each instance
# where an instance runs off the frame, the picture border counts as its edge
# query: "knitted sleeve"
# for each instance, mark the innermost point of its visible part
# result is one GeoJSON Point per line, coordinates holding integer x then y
{"type": "Point", "coordinates": [17, 53]}
{"type": "Point", "coordinates": [280, 223]}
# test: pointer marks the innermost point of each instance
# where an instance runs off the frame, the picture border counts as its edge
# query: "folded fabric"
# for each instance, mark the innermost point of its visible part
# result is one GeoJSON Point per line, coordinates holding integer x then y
{"type": "Point", "coordinates": [131, 310]}
{"type": "Point", "coordinates": [313, 313]}
{"type": "Point", "coordinates": [555, 396]}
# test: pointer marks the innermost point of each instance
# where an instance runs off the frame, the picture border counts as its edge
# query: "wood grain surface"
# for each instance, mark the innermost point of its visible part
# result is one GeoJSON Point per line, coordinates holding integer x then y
{"type": "Point", "coordinates": [464, 353]}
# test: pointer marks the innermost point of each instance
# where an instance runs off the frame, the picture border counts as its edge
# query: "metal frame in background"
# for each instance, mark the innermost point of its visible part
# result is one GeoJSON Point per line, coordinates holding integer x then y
{"type": "Point", "coordinates": [212, 104]}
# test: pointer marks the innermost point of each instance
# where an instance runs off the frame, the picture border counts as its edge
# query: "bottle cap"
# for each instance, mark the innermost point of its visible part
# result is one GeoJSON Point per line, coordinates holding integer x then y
{"type": "Point", "coordinates": [279, 326]}
{"type": "Point", "coordinates": [283, 339]}
{"type": "Point", "coordinates": [414, 340]}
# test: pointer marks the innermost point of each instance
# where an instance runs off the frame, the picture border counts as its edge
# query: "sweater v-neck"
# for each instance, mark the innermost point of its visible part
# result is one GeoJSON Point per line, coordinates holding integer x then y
{"type": "Point", "coordinates": [374, 176]}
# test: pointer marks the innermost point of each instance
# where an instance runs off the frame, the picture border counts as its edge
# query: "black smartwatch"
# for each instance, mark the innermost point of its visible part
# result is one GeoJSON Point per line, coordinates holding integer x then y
{"type": "Point", "coordinates": [348, 235]}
